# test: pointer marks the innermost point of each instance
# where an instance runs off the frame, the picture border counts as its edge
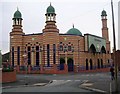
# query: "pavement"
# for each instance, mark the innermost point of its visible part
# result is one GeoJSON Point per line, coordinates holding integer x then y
{"type": "Point", "coordinates": [103, 86]}
{"type": "Point", "coordinates": [26, 81]}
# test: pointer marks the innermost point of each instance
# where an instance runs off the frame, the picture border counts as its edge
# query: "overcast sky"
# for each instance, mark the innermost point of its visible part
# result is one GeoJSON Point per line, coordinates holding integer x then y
{"type": "Point", "coordinates": [84, 14]}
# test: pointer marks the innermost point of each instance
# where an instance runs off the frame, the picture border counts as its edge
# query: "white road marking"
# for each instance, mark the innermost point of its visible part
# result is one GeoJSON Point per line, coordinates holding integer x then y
{"type": "Point", "coordinates": [77, 80]}
{"type": "Point", "coordinates": [84, 81]}
{"type": "Point", "coordinates": [69, 80]}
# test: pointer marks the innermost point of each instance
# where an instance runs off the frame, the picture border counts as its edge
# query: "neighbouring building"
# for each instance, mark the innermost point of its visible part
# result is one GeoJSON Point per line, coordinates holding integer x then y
{"type": "Point", "coordinates": [52, 50]}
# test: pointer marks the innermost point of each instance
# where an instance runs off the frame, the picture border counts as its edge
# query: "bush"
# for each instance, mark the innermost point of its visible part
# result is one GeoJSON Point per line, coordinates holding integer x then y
{"type": "Point", "coordinates": [7, 67]}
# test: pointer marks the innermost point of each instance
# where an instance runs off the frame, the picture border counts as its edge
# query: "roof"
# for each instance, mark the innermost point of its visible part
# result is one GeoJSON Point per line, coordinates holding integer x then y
{"type": "Point", "coordinates": [103, 13]}
{"type": "Point", "coordinates": [17, 14]}
{"type": "Point", "coordinates": [74, 31]}
{"type": "Point", "coordinates": [50, 9]}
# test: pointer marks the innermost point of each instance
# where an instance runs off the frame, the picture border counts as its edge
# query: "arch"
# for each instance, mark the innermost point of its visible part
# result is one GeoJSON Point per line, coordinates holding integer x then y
{"type": "Point", "coordinates": [87, 66]}
{"type": "Point", "coordinates": [98, 63]}
{"type": "Point", "coordinates": [91, 65]}
{"type": "Point", "coordinates": [103, 49]}
{"type": "Point", "coordinates": [62, 62]}
{"type": "Point", "coordinates": [70, 64]}
{"type": "Point", "coordinates": [101, 63]}
{"type": "Point", "coordinates": [92, 49]}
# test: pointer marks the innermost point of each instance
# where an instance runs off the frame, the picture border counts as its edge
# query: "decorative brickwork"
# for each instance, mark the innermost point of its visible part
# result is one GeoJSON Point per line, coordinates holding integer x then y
{"type": "Point", "coordinates": [52, 52]}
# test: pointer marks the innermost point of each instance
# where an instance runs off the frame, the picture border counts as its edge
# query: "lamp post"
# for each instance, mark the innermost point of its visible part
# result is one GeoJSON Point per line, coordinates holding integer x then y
{"type": "Point", "coordinates": [78, 55]}
{"type": "Point", "coordinates": [25, 64]}
{"type": "Point", "coordinates": [0, 60]}
{"type": "Point", "coordinates": [114, 50]}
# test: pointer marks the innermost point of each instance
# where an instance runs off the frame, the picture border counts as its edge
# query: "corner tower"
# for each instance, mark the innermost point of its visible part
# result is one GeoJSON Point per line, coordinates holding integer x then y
{"type": "Point", "coordinates": [105, 33]}
{"type": "Point", "coordinates": [16, 39]}
{"type": "Point", "coordinates": [50, 37]}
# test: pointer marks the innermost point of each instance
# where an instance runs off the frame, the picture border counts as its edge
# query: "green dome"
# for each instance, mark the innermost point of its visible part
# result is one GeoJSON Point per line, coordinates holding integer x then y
{"type": "Point", "coordinates": [74, 31]}
{"type": "Point", "coordinates": [17, 14]}
{"type": "Point", "coordinates": [50, 9]}
{"type": "Point", "coordinates": [103, 13]}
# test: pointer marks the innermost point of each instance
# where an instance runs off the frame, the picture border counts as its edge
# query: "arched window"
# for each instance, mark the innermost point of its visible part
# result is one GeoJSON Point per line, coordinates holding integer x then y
{"type": "Point", "coordinates": [61, 48]}
{"type": "Point", "coordinates": [103, 49]}
{"type": "Point", "coordinates": [69, 48]}
{"type": "Point", "coordinates": [92, 49]}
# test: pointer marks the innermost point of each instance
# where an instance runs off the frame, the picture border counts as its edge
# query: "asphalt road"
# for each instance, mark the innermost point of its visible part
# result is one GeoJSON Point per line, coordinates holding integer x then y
{"type": "Point", "coordinates": [60, 83]}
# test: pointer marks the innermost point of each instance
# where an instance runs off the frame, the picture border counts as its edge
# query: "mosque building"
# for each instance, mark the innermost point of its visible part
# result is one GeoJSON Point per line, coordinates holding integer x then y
{"type": "Point", "coordinates": [53, 52]}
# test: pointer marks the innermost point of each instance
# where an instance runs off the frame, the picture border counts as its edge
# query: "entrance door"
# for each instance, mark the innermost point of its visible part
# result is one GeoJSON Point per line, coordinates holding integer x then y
{"type": "Point", "coordinates": [70, 65]}
{"type": "Point", "coordinates": [62, 62]}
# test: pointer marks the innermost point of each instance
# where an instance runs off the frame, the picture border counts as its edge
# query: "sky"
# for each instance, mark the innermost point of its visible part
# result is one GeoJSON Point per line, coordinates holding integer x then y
{"type": "Point", "coordinates": [84, 14]}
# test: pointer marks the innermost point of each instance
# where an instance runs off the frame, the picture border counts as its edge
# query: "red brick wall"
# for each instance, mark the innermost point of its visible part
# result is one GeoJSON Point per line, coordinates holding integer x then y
{"type": "Point", "coordinates": [97, 70]}
{"type": "Point", "coordinates": [8, 76]}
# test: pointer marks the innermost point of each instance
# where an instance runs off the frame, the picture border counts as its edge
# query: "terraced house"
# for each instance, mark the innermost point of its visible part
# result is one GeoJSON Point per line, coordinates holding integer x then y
{"type": "Point", "coordinates": [53, 52]}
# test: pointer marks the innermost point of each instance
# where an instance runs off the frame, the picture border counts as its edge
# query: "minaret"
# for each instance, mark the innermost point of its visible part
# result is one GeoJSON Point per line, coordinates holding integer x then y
{"type": "Point", "coordinates": [50, 37]}
{"type": "Point", "coordinates": [50, 20]}
{"type": "Point", "coordinates": [105, 33]}
{"type": "Point", "coordinates": [16, 39]}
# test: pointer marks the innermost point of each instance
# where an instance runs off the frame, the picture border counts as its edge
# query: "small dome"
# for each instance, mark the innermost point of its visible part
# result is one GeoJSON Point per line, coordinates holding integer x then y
{"type": "Point", "coordinates": [50, 9]}
{"type": "Point", "coordinates": [17, 14]}
{"type": "Point", "coordinates": [74, 31]}
{"type": "Point", "coordinates": [103, 13]}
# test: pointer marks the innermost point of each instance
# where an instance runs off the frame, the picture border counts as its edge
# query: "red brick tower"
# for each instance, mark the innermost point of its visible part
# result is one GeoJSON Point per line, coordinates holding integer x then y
{"type": "Point", "coordinates": [105, 33]}
{"type": "Point", "coordinates": [16, 39]}
{"type": "Point", "coordinates": [50, 38]}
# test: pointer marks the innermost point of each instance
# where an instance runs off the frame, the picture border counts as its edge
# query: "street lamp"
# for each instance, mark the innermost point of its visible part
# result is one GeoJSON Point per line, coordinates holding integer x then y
{"type": "Point", "coordinates": [78, 55]}
{"type": "Point", "coordinates": [114, 50]}
{"type": "Point", "coordinates": [0, 60]}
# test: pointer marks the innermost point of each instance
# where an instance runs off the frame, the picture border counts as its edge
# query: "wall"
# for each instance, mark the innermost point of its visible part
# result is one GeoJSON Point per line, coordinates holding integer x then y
{"type": "Point", "coordinates": [8, 76]}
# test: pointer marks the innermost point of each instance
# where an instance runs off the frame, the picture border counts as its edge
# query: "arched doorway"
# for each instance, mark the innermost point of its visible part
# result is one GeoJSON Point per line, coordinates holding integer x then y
{"type": "Point", "coordinates": [98, 63]}
{"type": "Point", "coordinates": [70, 65]}
{"type": "Point", "coordinates": [62, 62]}
{"type": "Point", "coordinates": [91, 65]}
{"type": "Point", "coordinates": [87, 66]}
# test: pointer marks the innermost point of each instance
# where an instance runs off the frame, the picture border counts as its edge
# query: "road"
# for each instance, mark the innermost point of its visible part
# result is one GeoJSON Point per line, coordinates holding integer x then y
{"type": "Point", "coordinates": [60, 82]}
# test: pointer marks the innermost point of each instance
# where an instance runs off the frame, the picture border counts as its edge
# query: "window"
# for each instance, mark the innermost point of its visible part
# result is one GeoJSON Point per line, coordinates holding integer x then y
{"type": "Point", "coordinates": [65, 48]}
{"type": "Point", "coordinates": [37, 55]}
{"type": "Point", "coordinates": [18, 55]}
{"type": "Point", "coordinates": [54, 53]}
{"type": "Point", "coordinates": [61, 48]}
{"type": "Point", "coordinates": [29, 55]}
{"type": "Point", "coordinates": [48, 55]}
{"type": "Point", "coordinates": [69, 48]}
{"type": "Point", "coordinates": [13, 56]}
